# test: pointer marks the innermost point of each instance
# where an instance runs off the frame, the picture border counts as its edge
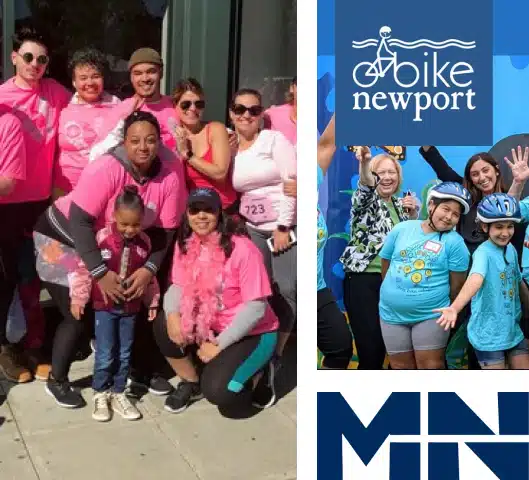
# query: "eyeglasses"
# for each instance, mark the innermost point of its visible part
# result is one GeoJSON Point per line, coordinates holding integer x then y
{"type": "Point", "coordinates": [199, 104]}
{"type": "Point", "coordinates": [195, 210]}
{"type": "Point", "coordinates": [254, 110]}
{"type": "Point", "coordinates": [28, 58]}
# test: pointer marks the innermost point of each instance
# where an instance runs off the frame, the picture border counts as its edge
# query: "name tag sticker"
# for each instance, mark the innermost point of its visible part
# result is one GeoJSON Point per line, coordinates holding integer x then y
{"type": "Point", "coordinates": [433, 246]}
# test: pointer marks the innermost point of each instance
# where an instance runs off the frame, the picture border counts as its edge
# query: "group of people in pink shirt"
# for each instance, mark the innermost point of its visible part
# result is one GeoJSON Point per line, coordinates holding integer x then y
{"type": "Point", "coordinates": [141, 199]}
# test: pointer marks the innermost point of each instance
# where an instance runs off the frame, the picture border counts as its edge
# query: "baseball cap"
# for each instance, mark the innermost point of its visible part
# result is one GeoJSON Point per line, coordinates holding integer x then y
{"type": "Point", "coordinates": [206, 196]}
{"type": "Point", "coordinates": [145, 55]}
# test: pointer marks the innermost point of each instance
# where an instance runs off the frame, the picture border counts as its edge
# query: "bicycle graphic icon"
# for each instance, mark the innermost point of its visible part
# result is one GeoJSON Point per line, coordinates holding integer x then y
{"type": "Point", "coordinates": [366, 74]}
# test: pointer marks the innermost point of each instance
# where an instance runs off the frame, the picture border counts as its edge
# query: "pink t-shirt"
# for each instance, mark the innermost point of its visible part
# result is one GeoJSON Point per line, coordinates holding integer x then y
{"type": "Point", "coordinates": [12, 151]}
{"type": "Point", "coordinates": [244, 279]}
{"type": "Point", "coordinates": [259, 173]}
{"type": "Point", "coordinates": [163, 110]}
{"type": "Point", "coordinates": [103, 180]}
{"type": "Point", "coordinates": [280, 120]}
{"type": "Point", "coordinates": [80, 127]}
{"type": "Point", "coordinates": [38, 109]}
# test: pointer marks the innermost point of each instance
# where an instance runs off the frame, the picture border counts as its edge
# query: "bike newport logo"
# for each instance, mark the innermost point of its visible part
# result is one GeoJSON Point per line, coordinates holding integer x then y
{"type": "Point", "coordinates": [451, 424]}
{"type": "Point", "coordinates": [411, 82]}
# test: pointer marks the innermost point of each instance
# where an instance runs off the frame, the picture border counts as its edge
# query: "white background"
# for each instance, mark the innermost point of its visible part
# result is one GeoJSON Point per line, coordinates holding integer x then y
{"type": "Point", "coordinates": [366, 391]}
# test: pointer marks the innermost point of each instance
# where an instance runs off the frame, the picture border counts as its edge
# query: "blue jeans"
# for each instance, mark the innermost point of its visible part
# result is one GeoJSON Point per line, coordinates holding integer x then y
{"type": "Point", "coordinates": [491, 358]}
{"type": "Point", "coordinates": [114, 335]}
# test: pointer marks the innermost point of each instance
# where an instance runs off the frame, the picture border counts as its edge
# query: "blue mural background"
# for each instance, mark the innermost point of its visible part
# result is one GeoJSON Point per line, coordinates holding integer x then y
{"type": "Point", "coordinates": [510, 116]}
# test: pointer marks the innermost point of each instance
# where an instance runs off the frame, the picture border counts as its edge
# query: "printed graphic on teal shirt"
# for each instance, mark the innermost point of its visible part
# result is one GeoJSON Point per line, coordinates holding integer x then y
{"type": "Point", "coordinates": [525, 256]}
{"type": "Point", "coordinates": [496, 310]}
{"type": "Point", "coordinates": [418, 279]}
{"type": "Point", "coordinates": [322, 237]}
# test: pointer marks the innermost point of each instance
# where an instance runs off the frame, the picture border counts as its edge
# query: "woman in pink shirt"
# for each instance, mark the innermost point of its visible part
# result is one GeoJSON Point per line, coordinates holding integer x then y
{"type": "Point", "coordinates": [284, 117]}
{"type": "Point", "coordinates": [264, 161]}
{"type": "Point", "coordinates": [75, 218]}
{"type": "Point", "coordinates": [216, 305]}
{"type": "Point", "coordinates": [81, 121]}
{"type": "Point", "coordinates": [203, 146]}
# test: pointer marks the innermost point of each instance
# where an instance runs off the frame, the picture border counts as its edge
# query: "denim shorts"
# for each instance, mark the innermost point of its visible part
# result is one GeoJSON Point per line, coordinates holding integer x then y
{"type": "Point", "coordinates": [407, 337]}
{"type": "Point", "coordinates": [493, 358]}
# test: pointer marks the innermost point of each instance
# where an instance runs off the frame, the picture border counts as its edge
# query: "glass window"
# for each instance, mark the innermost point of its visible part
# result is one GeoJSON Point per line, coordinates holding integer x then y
{"type": "Point", "coordinates": [116, 27]}
{"type": "Point", "coordinates": [268, 47]}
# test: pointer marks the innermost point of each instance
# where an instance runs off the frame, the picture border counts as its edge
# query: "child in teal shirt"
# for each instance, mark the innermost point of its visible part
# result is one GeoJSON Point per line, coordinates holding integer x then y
{"type": "Point", "coordinates": [495, 286]}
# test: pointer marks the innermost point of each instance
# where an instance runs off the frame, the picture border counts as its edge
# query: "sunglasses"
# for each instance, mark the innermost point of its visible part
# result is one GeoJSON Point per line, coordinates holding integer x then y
{"type": "Point", "coordinates": [199, 104]}
{"type": "Point", "coordinates": [254, 110]}
{"type": "Point", "coordinates": [41, 59]}
{"type": "Point", "coordinates": [195, 210]}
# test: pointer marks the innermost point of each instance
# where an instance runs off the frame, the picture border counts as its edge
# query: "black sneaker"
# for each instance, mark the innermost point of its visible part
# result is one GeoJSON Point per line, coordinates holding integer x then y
{"type": "Point", "coordinates": [264, 395]}
{"type": "Point", "coordinates": [184, 394]}
{"type": "Point", "coordinates": [156, 384]}
{"type": "Point", "coordinates": [64, 394]}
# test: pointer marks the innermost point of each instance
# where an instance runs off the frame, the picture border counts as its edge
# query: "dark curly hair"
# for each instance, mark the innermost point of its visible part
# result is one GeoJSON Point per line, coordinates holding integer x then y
{"type": "Point", "coordinates": [227, 227]}
{"type": "Point", "coordinates": [139, 116]}
{"type": "Point", "coordinates": [88, 56]}
{"type": "Point", "coordinates": [130, 199]}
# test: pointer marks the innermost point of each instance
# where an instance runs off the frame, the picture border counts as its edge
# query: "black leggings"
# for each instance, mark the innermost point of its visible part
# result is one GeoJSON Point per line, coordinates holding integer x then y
{"type": "Point", "coordinates": [69, 332]}
{"type": "Point", "coordinates": [334, 337]}
{"type": "Point", "coordinates": [227, 379]}
{"type": "Point", "coordinates": [361, 292]}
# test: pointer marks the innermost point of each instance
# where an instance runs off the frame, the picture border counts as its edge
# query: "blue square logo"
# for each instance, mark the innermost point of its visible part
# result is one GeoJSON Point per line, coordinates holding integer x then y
{"type": "Point", "coordinates": [414, 72]}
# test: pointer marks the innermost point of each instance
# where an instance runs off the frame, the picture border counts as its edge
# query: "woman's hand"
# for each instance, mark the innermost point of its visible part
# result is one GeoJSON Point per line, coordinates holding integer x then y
{"type": "Point", "coordinates": [281, 241]}
{"type": "Point", "coordinates": [233, 141]}
{"type": "Point", "coordinates": [208, 351]}
{"type": "Point", "coordinates": [173, 329]}
{"type": "Point", "coordinates": [153, 311]}
{"type": "Point", "coordinates": [448, 317]}
{"type": "Point", "coordinates": [363, 154]}
{"type": "Point", "coordinates": [518, 165]}
{"type": "Point", "coordinates": [409, 204]}
{"type": "Point", "coordinates": [137, 103]}
{"type": "Point", "coordinates": [77, 311]}
{"type": "Point", "coordinates": [137, 283]}
{"type": "Point", "coordinates": [290, 187]}
{"type": "Point", "coordinates": [110, 285]}
{"type": "Point", "coordinates": [183, 144]}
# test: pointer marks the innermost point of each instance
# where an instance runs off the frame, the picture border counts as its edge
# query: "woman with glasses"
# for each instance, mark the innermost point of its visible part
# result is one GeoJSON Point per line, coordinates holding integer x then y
{"type": "Point", "coordinates": [81, 121]}
{"type": "Point", "coordinates": [482, 177]}
{"type": "Point", "coordinates": [265, 159]}
{"type": "Point", "coordinates": [375, 211]}
{"type": "Point", "coordinates": [203, 147]}
{"type": "Point", "coordinates": [216, 306]}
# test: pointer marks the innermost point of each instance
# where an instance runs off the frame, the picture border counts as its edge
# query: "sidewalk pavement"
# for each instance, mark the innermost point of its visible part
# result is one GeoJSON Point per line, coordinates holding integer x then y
{"type": "Point", "coordinates": [39, 440]}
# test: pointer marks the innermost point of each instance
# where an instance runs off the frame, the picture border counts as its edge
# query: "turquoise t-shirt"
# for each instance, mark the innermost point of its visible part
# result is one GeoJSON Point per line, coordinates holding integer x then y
{"type": "Point", "coordinates": [323, 234]}
{"type": "Point", "coordinates": [418, 279]}
{"type": "Point", "coordinates": [525, 257]}
{"type": "Point", "coordinates": [496, 310]}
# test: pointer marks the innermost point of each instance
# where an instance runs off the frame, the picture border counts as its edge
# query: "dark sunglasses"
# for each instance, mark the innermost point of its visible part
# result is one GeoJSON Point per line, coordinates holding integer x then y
{"type": "Point", "coordinates": [254, 110]}
{"type": "Point", "coordinates": [199, 104]}
{"type": "Point", "coordinates": [41, 59]}
{"type": "Point", "coordinates": [195, 210]}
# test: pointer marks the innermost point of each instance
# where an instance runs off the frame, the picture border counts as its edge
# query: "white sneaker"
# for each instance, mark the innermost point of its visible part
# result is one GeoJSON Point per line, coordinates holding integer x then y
{"type": "Point", "coordinates": [122, 405]}
{"type": "Point", "coordinates": [101, 412]}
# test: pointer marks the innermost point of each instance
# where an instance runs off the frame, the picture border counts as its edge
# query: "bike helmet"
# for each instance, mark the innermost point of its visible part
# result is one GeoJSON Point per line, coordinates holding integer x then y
{"type": "Point", "coordinates": [452, 191]}
{"type": "Point", "coordinates": [499, 207]}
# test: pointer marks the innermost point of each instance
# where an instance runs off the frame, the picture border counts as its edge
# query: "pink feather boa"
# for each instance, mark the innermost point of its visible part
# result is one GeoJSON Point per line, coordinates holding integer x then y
{"type": "Point", "coordinates": [201, 275]}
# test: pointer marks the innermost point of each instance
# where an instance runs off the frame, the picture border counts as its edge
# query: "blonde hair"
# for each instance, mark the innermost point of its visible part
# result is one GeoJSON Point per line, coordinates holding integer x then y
{"type": "Point", "coordinates": [378, 159]}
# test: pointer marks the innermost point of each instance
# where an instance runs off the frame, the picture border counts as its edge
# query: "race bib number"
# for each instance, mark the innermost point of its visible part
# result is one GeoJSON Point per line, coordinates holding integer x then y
{"type": "Point", "coordinates": [257, 209]}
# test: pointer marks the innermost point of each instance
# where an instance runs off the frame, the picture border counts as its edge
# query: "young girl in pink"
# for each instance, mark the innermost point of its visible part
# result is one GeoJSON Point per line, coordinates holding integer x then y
{"type": "Point", "coordinates": [125, 248]}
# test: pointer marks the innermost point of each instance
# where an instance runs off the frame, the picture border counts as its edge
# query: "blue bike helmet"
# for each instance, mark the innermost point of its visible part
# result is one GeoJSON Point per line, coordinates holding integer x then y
{"type": "Point", "coordinates": [499, 207]}
{"type": "Point", "coordinates": [452, 191]}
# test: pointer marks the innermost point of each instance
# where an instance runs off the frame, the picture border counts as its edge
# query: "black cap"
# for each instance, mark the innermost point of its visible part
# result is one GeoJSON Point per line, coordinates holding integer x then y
{"type": "Point", "coordinates": [207, 196]}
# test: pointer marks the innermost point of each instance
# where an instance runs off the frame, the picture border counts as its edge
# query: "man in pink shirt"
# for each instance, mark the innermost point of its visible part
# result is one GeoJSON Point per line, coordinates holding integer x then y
{"type": "Point", "coordinates": [37, 103]}
{"type": "Point", "coordinates": [146, 72]}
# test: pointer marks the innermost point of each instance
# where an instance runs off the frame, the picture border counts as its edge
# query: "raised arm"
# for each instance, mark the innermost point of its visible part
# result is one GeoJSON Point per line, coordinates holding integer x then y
{"type": "Point", "coordinates": [444, 172]}
{"type": "Point", "coordinates": [327, 146]}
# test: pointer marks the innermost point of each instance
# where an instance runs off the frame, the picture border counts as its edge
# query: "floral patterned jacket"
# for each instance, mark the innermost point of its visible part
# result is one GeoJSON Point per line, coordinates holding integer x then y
{"type": "Point", "coordinates": [370, 224]}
